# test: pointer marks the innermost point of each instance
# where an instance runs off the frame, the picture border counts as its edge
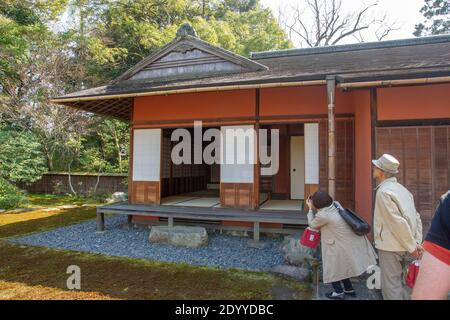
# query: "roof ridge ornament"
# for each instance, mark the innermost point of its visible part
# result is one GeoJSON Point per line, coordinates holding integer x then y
{"type": "Point", "coordinates": [186, 29]}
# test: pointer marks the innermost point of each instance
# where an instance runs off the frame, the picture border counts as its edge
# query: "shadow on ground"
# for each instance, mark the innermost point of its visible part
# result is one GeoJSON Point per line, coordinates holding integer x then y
{"type": "Point", "coordinates": [121, 278]}
{"type": "Point", "coordinates": [40, 220]}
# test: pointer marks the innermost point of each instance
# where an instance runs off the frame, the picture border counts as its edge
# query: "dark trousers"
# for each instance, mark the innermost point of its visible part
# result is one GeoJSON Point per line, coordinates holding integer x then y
{"type": "Point", "coordinates": [337, 286]}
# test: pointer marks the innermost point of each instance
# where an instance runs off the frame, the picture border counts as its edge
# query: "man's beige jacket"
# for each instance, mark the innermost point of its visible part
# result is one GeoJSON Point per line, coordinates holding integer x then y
{"type": "Point", "coordinates": [397, 224]}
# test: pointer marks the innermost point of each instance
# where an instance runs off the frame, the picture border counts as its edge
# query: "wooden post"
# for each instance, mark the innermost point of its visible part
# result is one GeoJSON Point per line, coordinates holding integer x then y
{"type": "Point", "coordinates": [130, 221]}
{"type": "Point", "coordinates": [100, 221]}
{"type": "Point", "coordinates": [331, 90]}
{"type": "Point", "coordinates": [130, 159]}
{"type": "Point", "coordinates": [256, 231]}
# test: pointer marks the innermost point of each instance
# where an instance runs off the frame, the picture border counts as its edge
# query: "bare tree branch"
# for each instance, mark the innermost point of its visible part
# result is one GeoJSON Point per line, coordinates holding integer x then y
{"type": "Point", "coordinates": [323, 22]}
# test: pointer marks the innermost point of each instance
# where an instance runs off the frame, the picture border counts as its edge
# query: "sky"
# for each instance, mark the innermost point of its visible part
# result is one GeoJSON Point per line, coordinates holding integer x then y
{"type": "Point", "coordinates": [406, 14]}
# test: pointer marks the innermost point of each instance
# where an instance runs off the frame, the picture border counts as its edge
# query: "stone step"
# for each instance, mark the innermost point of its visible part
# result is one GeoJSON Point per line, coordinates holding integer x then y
{"type": "Point", "coordinates": [185, 236]}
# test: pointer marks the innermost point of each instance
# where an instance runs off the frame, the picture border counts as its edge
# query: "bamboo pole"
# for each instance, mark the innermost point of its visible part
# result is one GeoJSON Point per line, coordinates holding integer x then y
{"type": "Point", "coordinates": [331, 90]}
{"type": "Point", "coordinates": [192, 90]}
{"type": "Point", "coordinates": [393, 82]}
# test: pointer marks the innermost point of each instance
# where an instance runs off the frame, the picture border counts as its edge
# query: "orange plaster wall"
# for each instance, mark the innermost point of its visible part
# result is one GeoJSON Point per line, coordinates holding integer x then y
{"type": "Point", "coordinates": [415, 102]}
{"type": "Point", "coordinates": [309, 100]}
{"type": "Point", "coordinates": [363, 152]}
{"type": "Point", "coordinates": [198, 106]}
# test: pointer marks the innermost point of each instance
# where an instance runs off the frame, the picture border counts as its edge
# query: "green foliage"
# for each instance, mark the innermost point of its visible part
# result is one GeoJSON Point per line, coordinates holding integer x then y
{"type": "Point", "coordinates": [21, 158]}
{"type": "Point", "coordinates": [100, 39]}
{"type": "Point", "coordinates": [19, 22]}
{"type": "Point", "coordinates": [32, 12]}
{"type": "Point", "coordinates": [53, 200]}
{"type": "Point", "coordinates": [124, 32]}
{"type": "Point", "coordinates": [236, 6]}
{"type": "Point", "coordinates": [437, 13]}
{"type": "Point", "coordinates": [13, 47]}
{"type": "Point", "coordinates": [10, 195]}
{"type": "Point", "coordinates": [106, 149]}
{"type": "Point", "coordinates": [257, 30]}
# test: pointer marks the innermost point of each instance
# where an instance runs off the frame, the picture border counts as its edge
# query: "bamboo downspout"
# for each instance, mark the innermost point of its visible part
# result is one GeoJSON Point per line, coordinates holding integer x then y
{"type": "Point", "coordinates": [331, 90]}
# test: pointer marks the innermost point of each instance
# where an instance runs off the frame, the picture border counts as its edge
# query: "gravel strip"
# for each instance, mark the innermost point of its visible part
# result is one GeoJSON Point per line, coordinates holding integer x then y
{"type": "Point", "coordinates": [223, 251]}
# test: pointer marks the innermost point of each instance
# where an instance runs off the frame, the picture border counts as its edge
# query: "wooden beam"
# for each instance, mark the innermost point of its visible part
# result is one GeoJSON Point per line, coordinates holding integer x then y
{"type": "Point", "coordinates": [413, 123]}
{"type": "Point", "coordinates": [331, 91]}
{"type": "Point", "coordinates": [257, 167]}
{"type": "Point", "coordinates": [289, 118]}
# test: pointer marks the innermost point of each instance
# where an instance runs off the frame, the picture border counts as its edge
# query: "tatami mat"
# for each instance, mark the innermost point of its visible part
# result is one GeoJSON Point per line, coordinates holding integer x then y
{"type": "Point", "coordinates": [168, 201]}
{"type": "Point", "coordinates": [204, 193]}
{"type": "Point", "coordinates": [199, 202]}
{"type": "Point", "coordinates": [282, 205]}
{"type": "Point", "coordinates": [204, 198]}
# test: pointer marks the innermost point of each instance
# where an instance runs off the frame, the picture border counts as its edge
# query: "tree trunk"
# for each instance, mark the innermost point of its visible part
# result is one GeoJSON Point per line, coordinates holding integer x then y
{"type": "Point", "coordinates": [49, 162]}
{"type": "Point", "coordinates": [98, 180]}
{"type": "Point", "coordinates": [119, 154]}
{"type": "Point", "coordinates": [49, 158]}
{"type": "Point", "coordinates": [70, 180]}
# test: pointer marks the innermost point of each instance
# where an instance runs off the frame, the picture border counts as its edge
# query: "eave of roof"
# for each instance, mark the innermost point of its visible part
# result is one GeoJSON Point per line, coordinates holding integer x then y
{"type": "Point", "coordinates": [350, 47]}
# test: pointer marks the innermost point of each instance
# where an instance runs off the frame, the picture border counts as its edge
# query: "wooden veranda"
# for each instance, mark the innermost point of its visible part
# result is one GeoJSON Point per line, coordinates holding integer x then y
{"type": "Point", "coordinates": [172, 213]}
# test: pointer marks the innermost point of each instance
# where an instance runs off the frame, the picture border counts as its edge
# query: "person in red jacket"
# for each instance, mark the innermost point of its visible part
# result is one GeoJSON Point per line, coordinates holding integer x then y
{"type": "Point", "coordinates": [433, 281]}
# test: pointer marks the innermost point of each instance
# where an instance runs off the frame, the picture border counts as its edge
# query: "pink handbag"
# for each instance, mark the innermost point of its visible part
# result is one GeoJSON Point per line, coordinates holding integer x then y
{"type": "Point", "coordinates": [412, 273]}
{"type": "Point", "coordinates": [310, 238]}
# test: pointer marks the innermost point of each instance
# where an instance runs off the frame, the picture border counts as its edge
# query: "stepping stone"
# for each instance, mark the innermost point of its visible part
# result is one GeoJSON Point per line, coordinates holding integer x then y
{"type": "Point", "coordinates": [118, 197]}
{"type": "Point", "coordinates": [68, 206]}
{"type": "Point", "coordinates": [51, 209]}
{"type": "Point", "coordinates": [192, 237]}
{"type": "Point", "coordinates": [297, 273]}
{"type": "Point", "coordinates": [159, 234]}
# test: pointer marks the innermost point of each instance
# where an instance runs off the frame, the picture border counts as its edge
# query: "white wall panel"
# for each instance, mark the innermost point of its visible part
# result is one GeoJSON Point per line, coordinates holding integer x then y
{"type": "Point", "coordinates": [311, 153]}
{"type": "Point", "coordinates": [235, 171]}
{"type": "Point", "coordinates": [147, 155]}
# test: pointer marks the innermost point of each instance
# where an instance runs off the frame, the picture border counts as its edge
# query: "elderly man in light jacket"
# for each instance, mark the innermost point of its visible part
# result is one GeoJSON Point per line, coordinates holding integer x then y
{"type": "Point", "coordinates": [397, 227]}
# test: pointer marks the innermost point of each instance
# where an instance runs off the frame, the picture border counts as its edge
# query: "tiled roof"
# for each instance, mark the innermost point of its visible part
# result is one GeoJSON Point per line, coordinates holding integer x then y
{"type": "Point", "coordinates": [387, 60]}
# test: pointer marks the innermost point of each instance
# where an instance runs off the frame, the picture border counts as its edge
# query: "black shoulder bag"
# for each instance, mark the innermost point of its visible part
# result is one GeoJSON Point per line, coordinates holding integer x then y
{"type": "Point", "coordinates": [356, 223]}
